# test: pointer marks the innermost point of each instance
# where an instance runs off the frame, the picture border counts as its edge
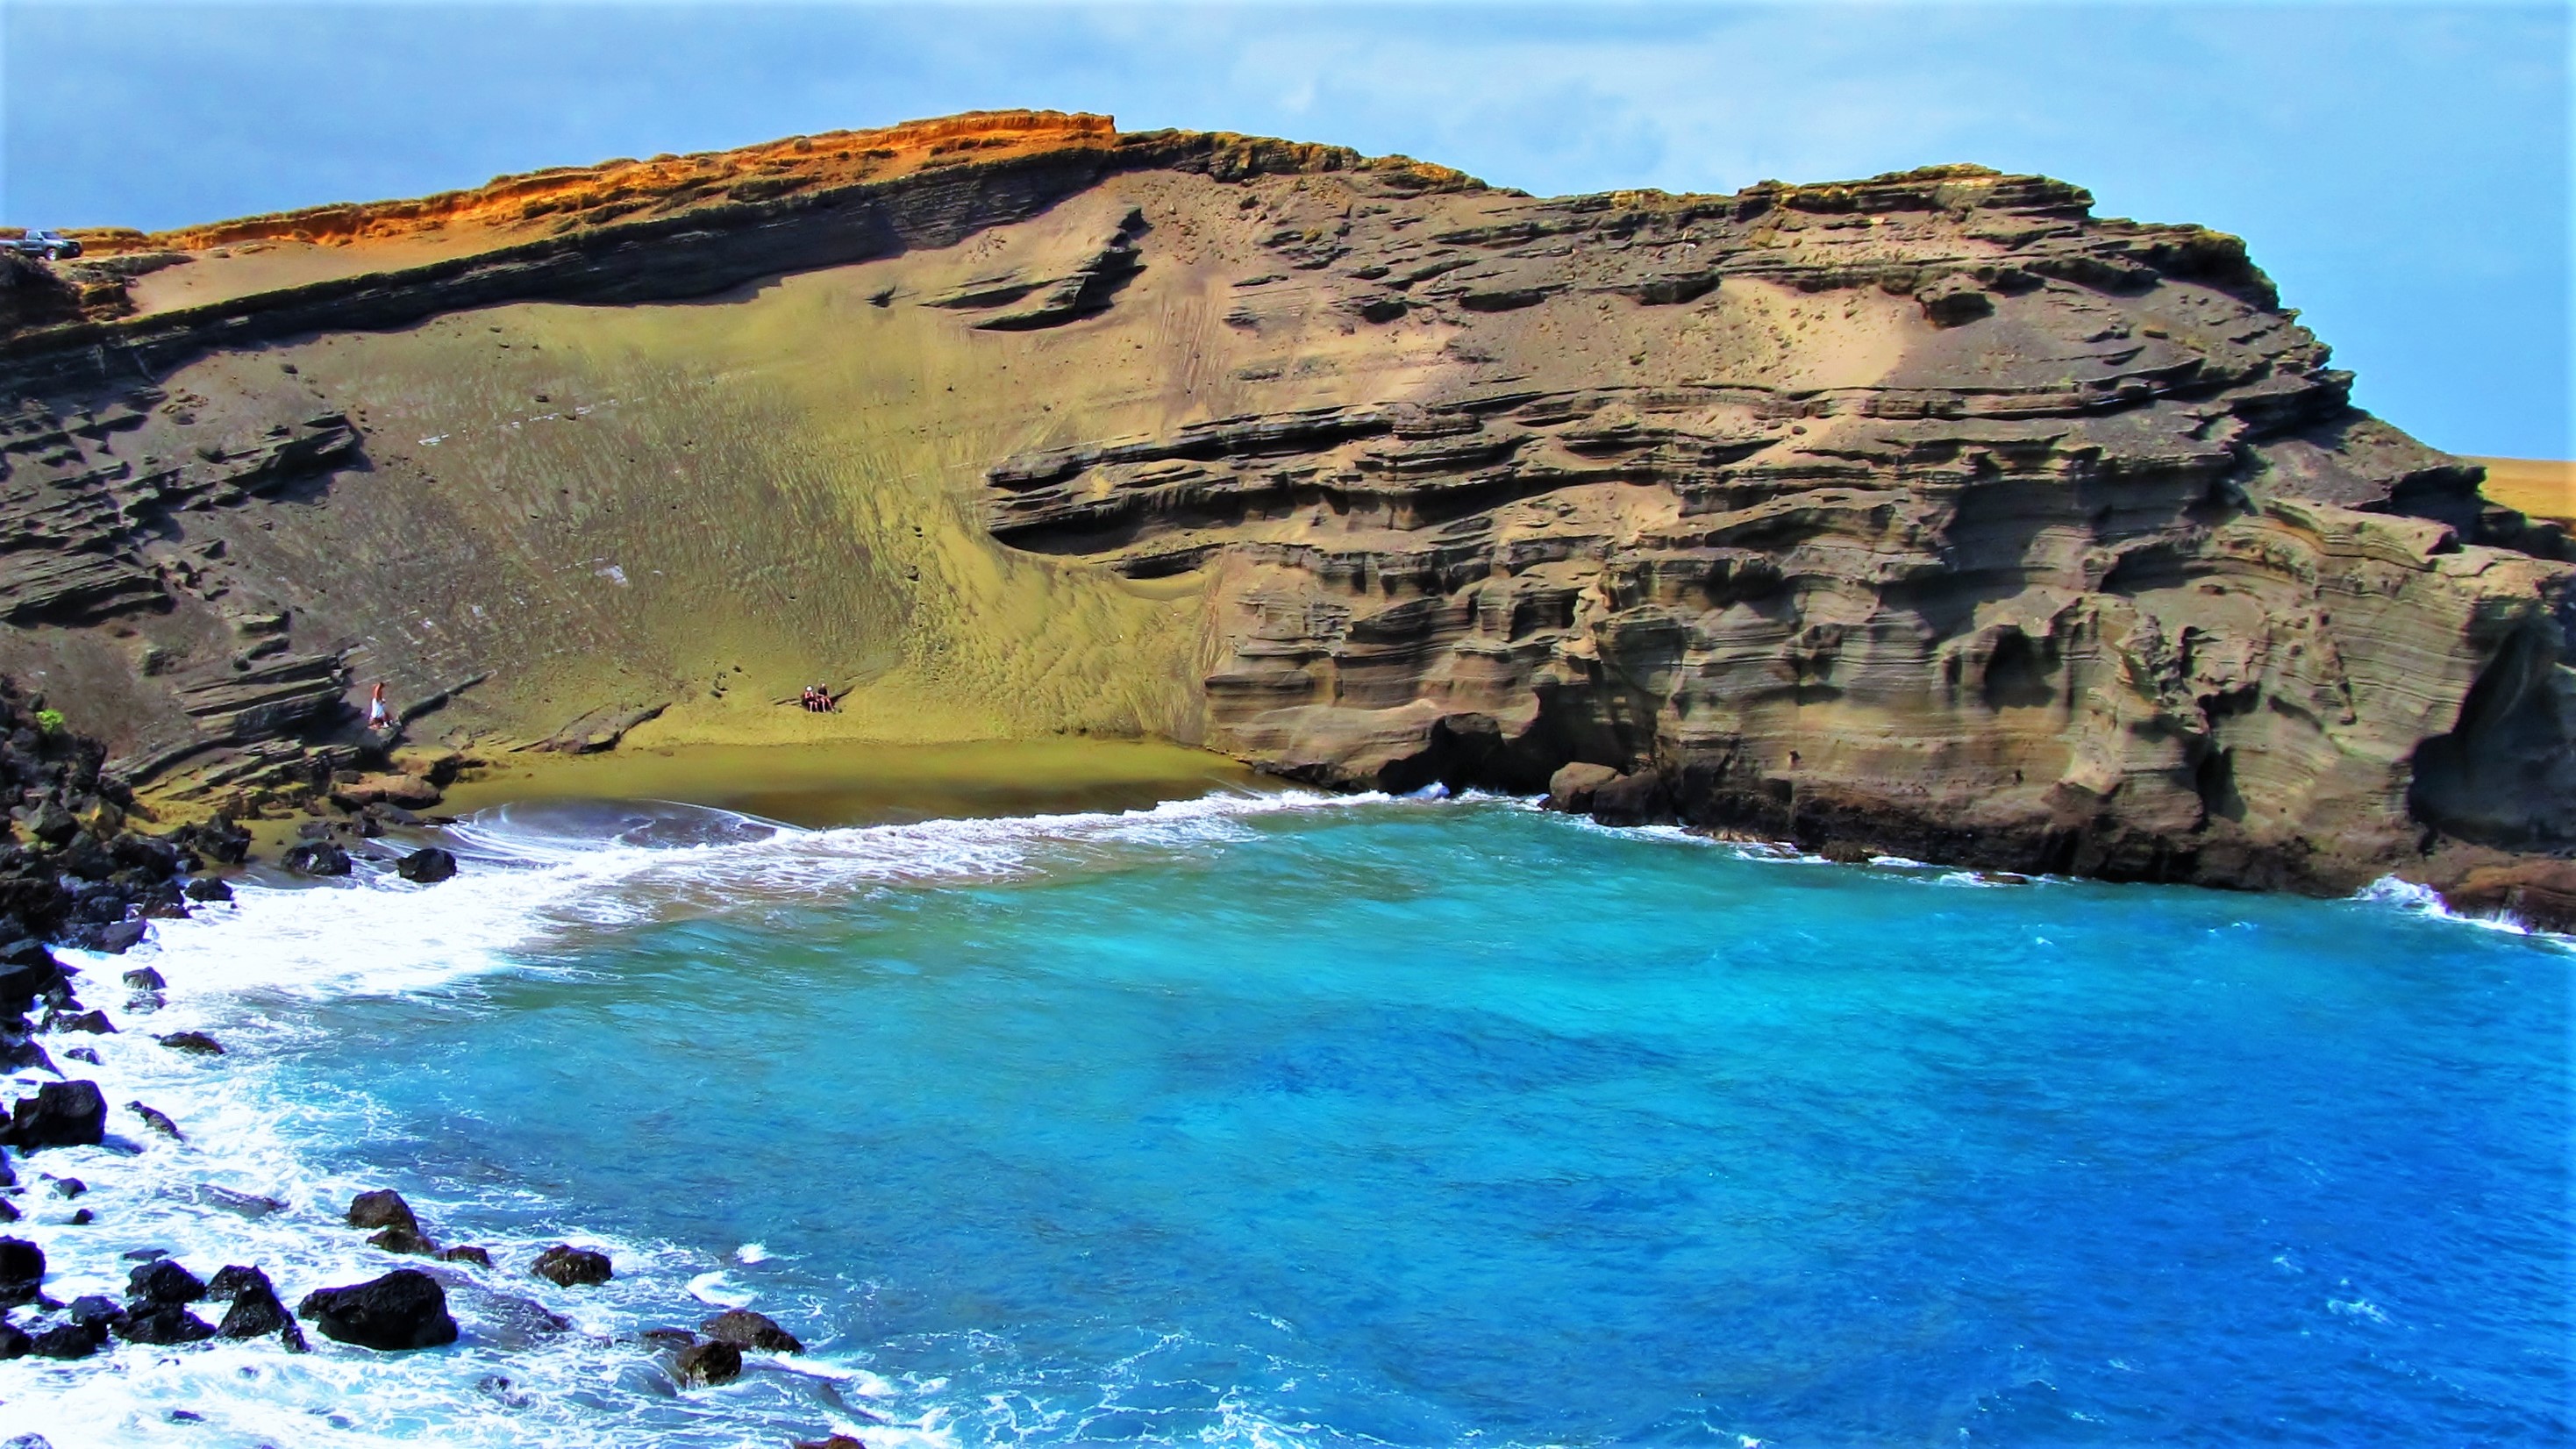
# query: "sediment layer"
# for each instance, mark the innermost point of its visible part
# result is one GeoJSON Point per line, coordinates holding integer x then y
{"type": "Point", "coordinates": [1927, 513]}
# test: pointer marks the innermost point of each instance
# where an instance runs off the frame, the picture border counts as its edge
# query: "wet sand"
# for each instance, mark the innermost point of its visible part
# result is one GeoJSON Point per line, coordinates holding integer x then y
{"type": "Point", "coordinates": [852, 783]}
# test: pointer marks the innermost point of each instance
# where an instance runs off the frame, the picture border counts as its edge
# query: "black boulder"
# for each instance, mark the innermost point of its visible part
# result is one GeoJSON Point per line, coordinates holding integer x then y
{"type": "Point", "coordinates": [69, 1340]}
{"type": "Point", "coordinates": [255, 1313]}
{"type": "Point", "coordinates": [164, 1323]}
{"type": "Point", "coordinates": [22, 1270]}
{"type": "Point", "coordinates": [163, 1281]}
{"type": "Point", "coordinates": [320, 858]}
{"type": "Point", "coordinates": [404, 1309]}
{"type": "Point", "coordinates": [61, 1114]}
{"type": "Point", "coordinates": [745, 1329]}
{"type": "Point", "coordinates": [571, 1267]}
{"type": "Point", "coordinates": [428, 865]}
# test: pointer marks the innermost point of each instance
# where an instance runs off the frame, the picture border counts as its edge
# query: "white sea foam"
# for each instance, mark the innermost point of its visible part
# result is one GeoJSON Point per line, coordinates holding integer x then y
{"type": "Point", "coordinates": [250, 973]}
{"type": "Point", "coordinates": [2421, 900]}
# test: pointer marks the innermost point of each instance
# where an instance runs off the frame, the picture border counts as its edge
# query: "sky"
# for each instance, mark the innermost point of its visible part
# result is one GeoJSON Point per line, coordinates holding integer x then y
{"type": "Point", "coordinates": [2402, 171]}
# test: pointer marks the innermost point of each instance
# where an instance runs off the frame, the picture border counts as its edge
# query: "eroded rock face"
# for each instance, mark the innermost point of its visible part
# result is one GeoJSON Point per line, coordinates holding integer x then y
{"type": "Point", "coordinates": [1927, 514]}
{"type": "Point", "coordinates": [2099, 571]}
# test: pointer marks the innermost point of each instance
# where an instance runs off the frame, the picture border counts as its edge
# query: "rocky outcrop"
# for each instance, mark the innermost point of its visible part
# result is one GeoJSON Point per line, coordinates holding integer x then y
{"type": "Point", "coordinates": [404, 1309]}
{"type": "Point", "coordinates": [1927, 514]}
{"type": "Point", "coordinates": [569, 1267]}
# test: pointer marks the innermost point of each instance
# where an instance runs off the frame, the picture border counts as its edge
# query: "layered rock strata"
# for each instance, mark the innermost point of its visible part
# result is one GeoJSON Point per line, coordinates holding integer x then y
{"type": "Point", "coordinates": [1928, 513]}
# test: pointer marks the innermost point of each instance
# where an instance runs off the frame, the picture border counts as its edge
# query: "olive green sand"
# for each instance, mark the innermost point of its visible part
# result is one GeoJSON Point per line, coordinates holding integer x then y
{"type": "Point", "coordinates": [834, 784]}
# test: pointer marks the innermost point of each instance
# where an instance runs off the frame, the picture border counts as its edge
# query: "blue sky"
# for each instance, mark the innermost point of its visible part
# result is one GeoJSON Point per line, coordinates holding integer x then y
{"type": "Point", "coordinates": [2402, 171]}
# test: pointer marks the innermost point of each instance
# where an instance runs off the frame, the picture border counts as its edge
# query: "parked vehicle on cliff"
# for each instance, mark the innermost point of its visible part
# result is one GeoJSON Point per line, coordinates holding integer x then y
{"type": "Point", "coordinates": [52, 246]}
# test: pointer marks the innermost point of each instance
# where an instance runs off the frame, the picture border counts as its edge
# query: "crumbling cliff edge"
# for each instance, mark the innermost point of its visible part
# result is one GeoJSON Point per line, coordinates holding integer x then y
{"type": "Point", "coordinates": [1927, 514]}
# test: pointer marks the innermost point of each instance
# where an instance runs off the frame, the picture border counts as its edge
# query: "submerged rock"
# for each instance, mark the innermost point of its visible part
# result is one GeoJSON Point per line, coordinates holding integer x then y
{"type": "Point", "coordinates": [572, 1267]}
{"type": "Point", "coordinates": [745, 1329]}
{"type": "Point", "coordinates": [194, 1042]}
{"type": "Point", "coordinates": [14, 1343]}
{"type": "Point", "coordinates": [404, 1309]}
{"type": "Point", "coordinates": [156, 1120]}
{"type": "Point", "coordinates": [466, 1253]}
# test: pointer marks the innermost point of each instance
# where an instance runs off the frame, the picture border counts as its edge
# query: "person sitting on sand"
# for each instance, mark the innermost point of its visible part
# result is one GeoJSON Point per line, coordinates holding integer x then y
{"type": "Point", "coordinates": [377, 716]}
{"type": "Point", "coordinates": [809, 699]}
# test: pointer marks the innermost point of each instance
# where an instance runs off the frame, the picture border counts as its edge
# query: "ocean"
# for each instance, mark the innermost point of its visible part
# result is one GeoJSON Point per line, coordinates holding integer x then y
{"type": "Point", "coordinates": [1284, 1119]}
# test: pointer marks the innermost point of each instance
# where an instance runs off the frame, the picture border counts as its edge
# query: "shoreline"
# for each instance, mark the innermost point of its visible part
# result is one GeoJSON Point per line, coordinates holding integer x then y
{"type": "Point", "coordinates": [825, 784]}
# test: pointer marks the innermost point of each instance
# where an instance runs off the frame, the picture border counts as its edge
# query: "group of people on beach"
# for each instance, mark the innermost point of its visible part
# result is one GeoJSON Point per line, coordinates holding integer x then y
{"type": "Point", "coordinates": [819, 700]}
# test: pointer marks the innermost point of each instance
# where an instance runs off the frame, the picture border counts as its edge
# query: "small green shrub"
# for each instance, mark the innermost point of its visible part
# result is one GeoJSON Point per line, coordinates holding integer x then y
{"type": "Point", "coordinates": [50, 721]}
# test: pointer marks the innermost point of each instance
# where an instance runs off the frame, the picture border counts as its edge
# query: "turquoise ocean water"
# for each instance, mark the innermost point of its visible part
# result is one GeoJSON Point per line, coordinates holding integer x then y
{"type": "Point", "coordinates": [1270, 1121]}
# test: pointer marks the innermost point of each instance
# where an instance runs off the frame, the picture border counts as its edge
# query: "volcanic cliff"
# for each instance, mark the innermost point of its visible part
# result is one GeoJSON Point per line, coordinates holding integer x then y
{"type": "Point", "coordinates": [1926, 513]}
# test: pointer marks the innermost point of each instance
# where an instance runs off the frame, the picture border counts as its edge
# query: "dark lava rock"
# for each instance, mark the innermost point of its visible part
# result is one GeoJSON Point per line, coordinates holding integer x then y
{"type": "Point", "coordinates": [18, 1051]}
{"type": "Point", "coordinates": [27, 971]}
{"type": "Point", "coordinates": [61, 1114]}
{"type": "Point", "coordinates": [399, 1239]}
{"type": "Point", "coordinates": [69, 1340]}
{"type": "Point", "coordinates": [164, 1324]}
{"type": "Point", "coordinates": [22, 1269]}
{"type": "Point", "coordinates": [115, 938]}
{"type": "Point", "coordinates": [82, 1218]}
{"type": "Point", "coordinates": [707, 1364]}
{"type": "Point", "coordinates": [8, 1214]}
{"type": "Point", "coordinates": [1844, 852]}
{"type": "Point", "coordinates": [14, 1342]}
{"type": "Point", "coordinates": [163, 1281]}
{"type": "Point", "coordinates": [192, 1041]}
{"type": "Point", "coordinates": [318, 858]}
{"type": "Point", "coordinates": [571, 1267]}
{"type": "Point", "coordinates": [144, 978]}
{"type": "Point", "coordinates": [95, 1308]}
{"type": "Point", "coordinates": [93, 1022]}
{"type": "Point", "coordinates": [231, 1279]}
{"type": "Point", "coordinates": [157, 1120]}
{"type": "Point", "coordinates": [206, 888]}
{"type": "Point", "coordinates": [745, 1329]}
{"type": "Point", "coordinates": [255, 1313]}
{"type": "Point", "coordinates": [428, 865]}
{"type": "Point", "coordinates": [81, 1054]}
{"type": "Point", "coordinates": [65, 1186]}
{"type": "Point", "coordinates": [382, 1208]}
{"type": "Point", "coordinates": [218, 840]}
{"type": "Point", "coordinates": [466, 1253]}
{"type": "Point", "coordinates": [837, 1441]}
{"type": "Point", "coordinates": [506, 1320]}
{"type": "Point", "coordinates": [240, 1204]}
{"type": "Point", "coordinates": [404, 1309]}
{"type": "Point", "coordinates": [668, 1337]}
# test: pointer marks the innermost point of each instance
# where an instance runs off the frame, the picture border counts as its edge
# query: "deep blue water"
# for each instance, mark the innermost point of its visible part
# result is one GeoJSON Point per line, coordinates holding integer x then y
{"type": "Point", "coordinates": [1426, 1124]}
